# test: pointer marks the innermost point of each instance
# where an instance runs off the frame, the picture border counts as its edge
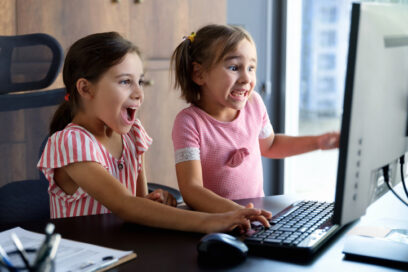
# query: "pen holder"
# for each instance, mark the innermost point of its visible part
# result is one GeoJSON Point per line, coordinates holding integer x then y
{"type": "Point", "coordinates": [18, 265]}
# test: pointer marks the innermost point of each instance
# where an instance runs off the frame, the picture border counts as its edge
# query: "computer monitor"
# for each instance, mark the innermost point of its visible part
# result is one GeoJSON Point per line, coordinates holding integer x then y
{"type": "Point", "coordinates": [375, 113]}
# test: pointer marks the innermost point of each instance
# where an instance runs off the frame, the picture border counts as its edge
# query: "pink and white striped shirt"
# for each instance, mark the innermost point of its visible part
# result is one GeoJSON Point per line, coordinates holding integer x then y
{"type": "Point", "coordinates": [75, 144]}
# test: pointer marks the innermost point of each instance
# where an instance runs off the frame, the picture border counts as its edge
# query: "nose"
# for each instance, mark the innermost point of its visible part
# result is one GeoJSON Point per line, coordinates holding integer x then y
{"type": "Point", "coordinates": [137, 93]}
{"type": "Point", "coordinates": [245, 76]}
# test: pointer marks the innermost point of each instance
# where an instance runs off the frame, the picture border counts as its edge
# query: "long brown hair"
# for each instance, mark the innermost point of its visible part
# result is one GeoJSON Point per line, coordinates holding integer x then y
{"type": "Point", "coordinates": [208, 47]}
{"type": "Point", "coordinates": [88, 58]}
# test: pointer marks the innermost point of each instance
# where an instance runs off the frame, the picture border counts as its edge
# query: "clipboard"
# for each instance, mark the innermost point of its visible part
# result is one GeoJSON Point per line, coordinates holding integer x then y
{"type": "Point", "coordinates": [71, 255]}
{"type": "Point", "coordinates": [125, 259]}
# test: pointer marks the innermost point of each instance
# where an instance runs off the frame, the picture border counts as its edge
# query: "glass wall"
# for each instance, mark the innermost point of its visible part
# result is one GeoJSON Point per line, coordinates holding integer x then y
{"type": "Point", "coordinates": [318, 33]}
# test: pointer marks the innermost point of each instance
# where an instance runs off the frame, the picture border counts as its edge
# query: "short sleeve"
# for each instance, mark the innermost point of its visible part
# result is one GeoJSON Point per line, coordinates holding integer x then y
{"type": "Point", "coordinates": [140, 137]}
{"type": "Point", "coordinates": [266, 128]}
{"type": "Point", "coordinates": [186, 140]}
{"type": "Point", "coordinates": [66, 147]}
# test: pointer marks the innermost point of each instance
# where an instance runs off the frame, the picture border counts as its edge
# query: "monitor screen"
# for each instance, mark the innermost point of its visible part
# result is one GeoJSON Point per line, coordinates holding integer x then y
{"type": "Point", "coordinates": [375, 115]}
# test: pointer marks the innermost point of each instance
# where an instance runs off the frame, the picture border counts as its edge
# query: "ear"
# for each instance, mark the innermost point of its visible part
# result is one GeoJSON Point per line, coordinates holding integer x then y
{"type": "Point", "coordinates": [198, 74]}
{"type": "Point", "coordinates": [84, 88]}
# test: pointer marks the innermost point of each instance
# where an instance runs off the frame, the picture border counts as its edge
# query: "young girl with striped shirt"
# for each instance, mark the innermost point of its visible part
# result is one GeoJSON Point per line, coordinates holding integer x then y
{"type": "Point", "coordinates": [93, 159]}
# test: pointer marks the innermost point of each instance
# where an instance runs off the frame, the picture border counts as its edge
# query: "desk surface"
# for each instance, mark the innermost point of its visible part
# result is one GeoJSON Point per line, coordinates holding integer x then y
{"type": "Point", "coordinates": [166, 250]}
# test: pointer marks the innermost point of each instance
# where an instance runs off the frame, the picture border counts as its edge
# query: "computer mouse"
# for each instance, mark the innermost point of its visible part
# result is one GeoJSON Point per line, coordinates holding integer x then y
{"type": "Point", "coordinates": [221, 248]}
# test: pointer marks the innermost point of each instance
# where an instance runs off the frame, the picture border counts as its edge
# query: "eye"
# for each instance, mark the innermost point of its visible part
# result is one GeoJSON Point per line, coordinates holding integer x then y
{"type": "Point", "coordinates": [233, 68]}
{"type": "Point", "coordinates": [141, 82]}
{"type": "Point", "coordinates": [125, 82]}
{"type": "Point", "coordinates": [251, 68]}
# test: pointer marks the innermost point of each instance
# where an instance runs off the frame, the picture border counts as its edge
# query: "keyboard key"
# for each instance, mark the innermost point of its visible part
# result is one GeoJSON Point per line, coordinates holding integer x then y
{"type": "Point", "coordinates": [272, 241]}
{"type": "Point", "coordinates": [254, 239]}
{"type": "Point", "coordinates": [288, 229]}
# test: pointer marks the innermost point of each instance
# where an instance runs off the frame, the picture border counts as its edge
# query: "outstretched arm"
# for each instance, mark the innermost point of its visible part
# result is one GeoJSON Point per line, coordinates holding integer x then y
{"type": "Point", "coordinates": [101, 185]}
{"type": "Point", "coordinates": [279, 146]}
{"type": "Point", "coordinates": [189, 176]}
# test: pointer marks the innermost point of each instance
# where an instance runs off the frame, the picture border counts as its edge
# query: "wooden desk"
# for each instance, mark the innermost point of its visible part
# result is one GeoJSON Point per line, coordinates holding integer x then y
{"type": "Point", "coordinates": [166, 250]}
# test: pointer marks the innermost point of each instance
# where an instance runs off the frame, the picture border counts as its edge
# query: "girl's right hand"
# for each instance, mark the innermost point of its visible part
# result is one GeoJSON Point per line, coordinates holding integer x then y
{"type": "Point", "coordinates": [230, 220]}
{"type": "Point", "coordinates": [262, 218]}
{"type": "Point", "coordinates": [328, 140]}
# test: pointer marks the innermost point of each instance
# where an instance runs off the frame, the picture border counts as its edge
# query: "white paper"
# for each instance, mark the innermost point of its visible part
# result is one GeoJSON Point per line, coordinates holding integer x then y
{"type": "Point", "coordinates": [71, 255]}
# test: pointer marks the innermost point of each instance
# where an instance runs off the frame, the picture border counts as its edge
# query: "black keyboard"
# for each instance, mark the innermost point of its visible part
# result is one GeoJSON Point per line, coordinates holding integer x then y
{"type": "Point", "coordinates": [302, 226]}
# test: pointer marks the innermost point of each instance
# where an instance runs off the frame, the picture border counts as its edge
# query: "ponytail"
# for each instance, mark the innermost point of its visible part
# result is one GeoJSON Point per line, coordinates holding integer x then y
{"type": "Point", "coordinates": [182, 62]}
{"type": "Point", "coordinates": [62, 117]}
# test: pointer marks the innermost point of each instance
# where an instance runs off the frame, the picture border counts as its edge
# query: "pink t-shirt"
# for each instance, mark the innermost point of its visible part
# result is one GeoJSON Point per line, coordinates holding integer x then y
{"type": "Point", "coordinates": [229, 151]}
{"type": "Point", "coordinates": [76, 144]}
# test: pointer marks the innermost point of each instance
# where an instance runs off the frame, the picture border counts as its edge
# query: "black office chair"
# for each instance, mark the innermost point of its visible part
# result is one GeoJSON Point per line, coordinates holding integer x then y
{"type": "Point", "coordinates": [28, 64]}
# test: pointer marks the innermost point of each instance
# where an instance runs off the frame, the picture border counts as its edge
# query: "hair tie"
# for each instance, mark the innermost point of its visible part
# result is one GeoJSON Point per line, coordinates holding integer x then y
{"type": "Point", "coordinates": [190, 37]}
{"type": "Point", "coordinates": [66, 97]}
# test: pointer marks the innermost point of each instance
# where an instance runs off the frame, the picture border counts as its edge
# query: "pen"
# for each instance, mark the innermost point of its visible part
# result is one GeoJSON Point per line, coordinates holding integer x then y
{"type": "Point", "coordinates": [49, 230]}
{"type": "Point", "coordinates": [106, 261]}
{"type": "Point", "coordinates": [20, 249]}
{"type": "Point", "coordinates": [45, 263]}
{"type": "Point", "coordinates": [54, 242]}
{"type": "Point", "coordinates": [5, 258]}
{"type": "Point", "coordinates": [55, 245]}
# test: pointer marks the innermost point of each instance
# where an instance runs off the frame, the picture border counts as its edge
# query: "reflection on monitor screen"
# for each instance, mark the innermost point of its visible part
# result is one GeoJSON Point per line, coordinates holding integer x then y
{"type": "Point", "coordinates": [375, 113]}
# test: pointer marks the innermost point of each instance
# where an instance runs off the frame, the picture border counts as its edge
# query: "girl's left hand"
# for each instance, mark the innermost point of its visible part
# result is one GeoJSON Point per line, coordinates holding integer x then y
{"type": "Point", "coordinates": [328, 140]}
{"type": "Point", "coordinates": [162, 196]}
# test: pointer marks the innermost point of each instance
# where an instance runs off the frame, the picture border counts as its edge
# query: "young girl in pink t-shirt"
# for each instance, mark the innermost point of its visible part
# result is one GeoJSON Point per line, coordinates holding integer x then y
{"type": "Point", "coordinates": [93, 159]}
{"type": "Point", "coordinates": [219, 139]}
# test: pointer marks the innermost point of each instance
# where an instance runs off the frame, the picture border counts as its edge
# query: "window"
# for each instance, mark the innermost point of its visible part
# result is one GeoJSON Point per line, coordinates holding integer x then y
{"type": "Point", "coordinates": [328, 14]}
{"type": "Point", "coordinates": [326, 85]}
{"type": "Point", "coordinates": [321, 70]}
{"type": "Point", "coordinates": [328, 38]}
{"type": "Point", "coordinates": [315, 69]}
{"type": "Point", "coordinates": [326, 61]}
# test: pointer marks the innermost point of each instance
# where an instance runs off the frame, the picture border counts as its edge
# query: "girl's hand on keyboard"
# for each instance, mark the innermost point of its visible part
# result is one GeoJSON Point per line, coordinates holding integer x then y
{"type": "Point", "coordinates": [218, 222]}
{"type": "Point", "coordinates": [262, 218]}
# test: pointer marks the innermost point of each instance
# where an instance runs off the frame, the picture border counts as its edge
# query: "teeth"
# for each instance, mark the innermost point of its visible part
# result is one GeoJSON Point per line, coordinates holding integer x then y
{"type": "Point", "coordinates": [238, 92]}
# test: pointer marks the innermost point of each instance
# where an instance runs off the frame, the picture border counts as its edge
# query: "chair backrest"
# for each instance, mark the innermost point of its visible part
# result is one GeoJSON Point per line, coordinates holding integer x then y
{"type": "Point", "coordinates": [25, 200]}
{"type": "Point", "coordinates": [28, 64]}
{"type": "Point", "coordinates": [19, 52]}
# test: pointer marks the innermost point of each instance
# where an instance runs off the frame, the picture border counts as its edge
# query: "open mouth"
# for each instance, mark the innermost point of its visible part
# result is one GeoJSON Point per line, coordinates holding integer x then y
{"type": "Point", "coordinates": [129, 114]}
